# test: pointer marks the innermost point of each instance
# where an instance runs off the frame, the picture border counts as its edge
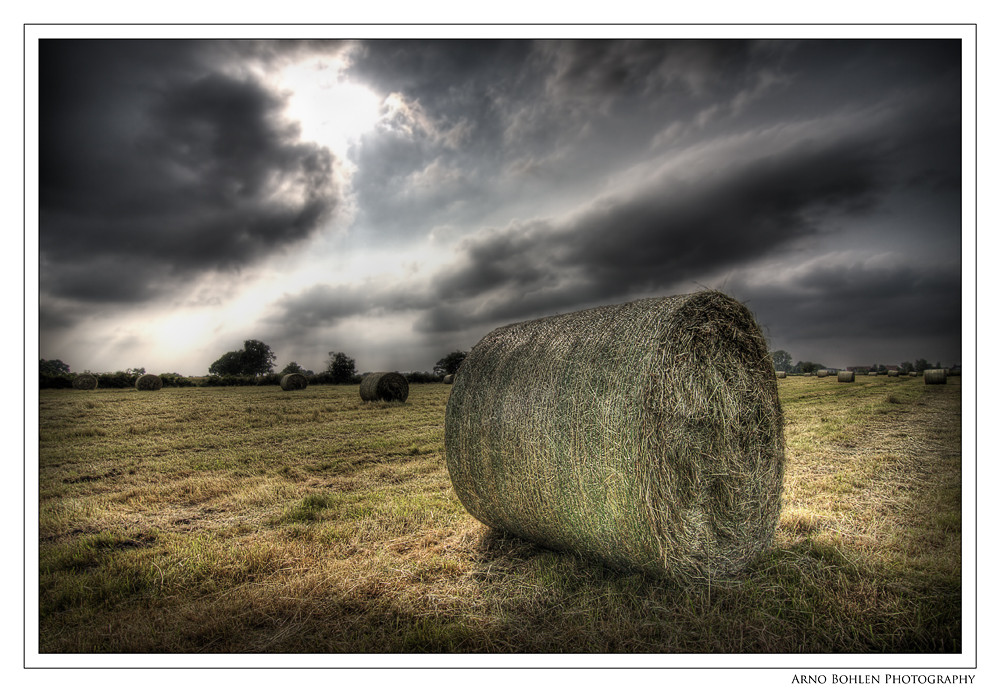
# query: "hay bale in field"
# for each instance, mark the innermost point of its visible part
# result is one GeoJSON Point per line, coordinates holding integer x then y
{"type": "Point", "coordinates": [448, 379]}
{"type": "Point", "coordinates": [780, 374]}
{"type": "Point", "coordinates": [936, 376]}
{"type": "Point", "coordinates": [845, 376]}
{"type": "Point", "coordinates": [647, 435]}
{"type": "Point", "coordinates": [294, 381]}
{"type": "Point", "coordinates": [913, 373]}
{"type": "Point", "coordinates": [148, 382]}
{"type": "Point", "coordinates": [384, 386]}
{"type": "Point", "coordinates": [893, 373]}
{"type": "Point", "coordinates": [822, 373]}
{"type": "Point", "coordinates": [872, 373]}
{"type": "Point", "coordinates": [85, 381]}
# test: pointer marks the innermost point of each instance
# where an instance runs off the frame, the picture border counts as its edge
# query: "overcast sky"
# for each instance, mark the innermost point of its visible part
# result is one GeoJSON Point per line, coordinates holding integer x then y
{"type": "Point", "coordinates": [396, 200]}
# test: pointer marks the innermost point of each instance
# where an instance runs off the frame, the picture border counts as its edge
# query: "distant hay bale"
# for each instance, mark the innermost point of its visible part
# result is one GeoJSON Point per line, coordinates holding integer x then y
{"type": "Point", "coordinates": [294, 381]}
{"type": "Point", "coordinates": [384, 386]}
{"type": "Point", "coordinates": [822, 373]}
{"type": "Point", "coordinates": [893, 373]}
{"type": "Point", "coordinates": [448, 379]}
{"type": "Point", "coordinates": [148, 383]}
{"type": "Point", "coordinates": [647, 435]}
{"type": "Point", "coordinates": [845, 376]}
{"type": "Point", "coordinates": [936, 376]}
{"type": "Point", "coordinates": [780, 374]}
{"type": "Point", "coordinates": [872, 373]}
{"type": "Point", "coordinates": [913, 373]}
{"type": "Point", "coordinates": [85, 381]}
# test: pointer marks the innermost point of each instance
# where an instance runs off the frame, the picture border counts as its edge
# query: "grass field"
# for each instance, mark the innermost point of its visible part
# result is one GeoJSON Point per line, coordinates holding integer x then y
{"type": "Point", "coordinates": [249, 519]}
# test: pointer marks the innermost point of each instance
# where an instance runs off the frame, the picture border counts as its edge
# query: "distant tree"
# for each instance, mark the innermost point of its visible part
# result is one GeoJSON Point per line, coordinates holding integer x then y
{"type": "Point", "coordinates": [804, 366]}
{"type": "Point", "coordinates": [291, 368]}
{"type": "Point", "coordinates": [340, 366]}
{"type": "Point", "coordinates": [782, 360]}
{"type": "Point", "coordinates": [135, 371]}
{"type": "Point", "coordinates": [258, 358]}
{"type": "Point", "coordinates": [52, 367]}
{"type": "Point", "coordinates": [907, 366]}
{"type": "Point", "coordinates": [230, 363]}
{"type": "Point", "coordinates": [450, 363]}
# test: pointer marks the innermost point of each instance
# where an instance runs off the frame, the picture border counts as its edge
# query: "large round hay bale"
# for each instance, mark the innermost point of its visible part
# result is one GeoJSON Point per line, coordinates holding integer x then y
{"type": "Point", "coordinates": [384, 386]}
{"type": "Point", "coordinates": [448, 379]}
{"type": "Point", "coordinates": [85, 381]}
{"type": "Point", "coordinates": [822, 373]}
{"type": "Point", "coordinates": [647, 435]}
{"type": "Point", "coordinates": [148, 382]}
{"type": "Point", "coordinates": [780, 374]}
{"type": "Point", "coordinates": [845, 376]}
{"type": "Point", "coordinates": [936, 376]}
{"type": "Point", "coordinates": [294, 381]}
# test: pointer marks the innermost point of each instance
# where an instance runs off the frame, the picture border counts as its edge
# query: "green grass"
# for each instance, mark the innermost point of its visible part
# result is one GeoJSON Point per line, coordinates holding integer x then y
{"type": "Point", "coordinates": [256, 520]}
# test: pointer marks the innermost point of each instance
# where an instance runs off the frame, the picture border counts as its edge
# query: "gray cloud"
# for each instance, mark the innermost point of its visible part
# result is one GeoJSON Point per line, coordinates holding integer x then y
{"type": "Point", "coordinates": [155, 165]}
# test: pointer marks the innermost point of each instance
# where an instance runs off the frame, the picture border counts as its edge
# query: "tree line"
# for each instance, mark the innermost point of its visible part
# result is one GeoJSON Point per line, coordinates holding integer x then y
{"type": "Point", "coordinates": [251, 365]}
{"type": "Point", "coordinates": [783, 362]}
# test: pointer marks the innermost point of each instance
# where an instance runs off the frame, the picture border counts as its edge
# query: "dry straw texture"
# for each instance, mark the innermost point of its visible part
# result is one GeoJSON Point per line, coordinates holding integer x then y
{"type": "Point", "coordinates": [294, 381]}
{"type": "Point", "coordinates": [647, 435]}
{"type": "Point", "coordinates": [780, 374]}
{"type": "Point", "coordinates": [384, 386]}
{"type": "Point", "coordinates": [935, 376]}
{"type": "Point", "coordinates": [148, 382]}
{"type": "Point", "coordinates": [845, 376]}
{"type": "Point", "coordinates": [85, 381]}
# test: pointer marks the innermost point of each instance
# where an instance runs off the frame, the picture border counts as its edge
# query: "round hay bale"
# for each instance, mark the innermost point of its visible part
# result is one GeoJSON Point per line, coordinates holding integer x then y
{"type": "Point", "coordinates": [448, 379]}
{"type": "Point", "coordinates": [872, 373]}
{"type": "Point", "coordinates": [294, 381]}
{"type": "Point", "coordinates": [384, 386]}
{"type": "Point", "coordinates": [148, 383]}
{"type": "Point", "coordinates": [893, 373]}
{"type": "Point", "coordinates": [936, 376]}
{"type": "Point", "coordinates": [913, 373]}
{"type": "Point", "coordinates": [845, 376]}
{"type": "Point", "coordinates": [822, 373]}
{"type": "Point", "coordinates": [780, 374]}
{"type": "Point", "coordinates": [85, 381]}
{"type": "Point", "coordinates": [647, 435]}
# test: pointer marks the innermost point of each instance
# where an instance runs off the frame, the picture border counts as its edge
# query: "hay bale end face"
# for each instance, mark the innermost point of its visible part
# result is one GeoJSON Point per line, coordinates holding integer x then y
{"type": "Point", "coordinates": [845, 376]}
{"type": "Point", "coordinates": [936, 376]}
{"type": "Point", "coordinates": [85, 381]}
{"type": "Point", "coordinates": [294, 381]}
{"type": "Point", "coordinates": [148, 383]}
{"type": "Point", "coordinates": [448, 379]}
{"type": "Point", "coordinates": [780, 374]}
{"type": "Point", "coordinates": [384, 386]}
{"type": "Point", "coordinates": [647, 435]}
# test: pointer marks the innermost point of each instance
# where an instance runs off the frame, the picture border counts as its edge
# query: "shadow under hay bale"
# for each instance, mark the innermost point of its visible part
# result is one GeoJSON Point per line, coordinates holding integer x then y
{"type": "Point", "coordinates": [85, 381]}
{"type": "Point", "coordinates": [384, 386]}
{"type": "Point", "coordinates": [647, 435]}
{"type": "Point", "coordinates": [845, 376]}
{"type": "Point", "coordinates": [148, 383]}
{"type": "Point", "coordinates": [935, 376]}
{"type": "Point", "coordinates": [294, 381]}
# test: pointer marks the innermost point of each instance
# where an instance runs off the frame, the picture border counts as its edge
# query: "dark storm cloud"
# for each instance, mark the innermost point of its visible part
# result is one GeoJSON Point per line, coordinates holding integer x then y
{"type": "Point", "coordinates": [156, 163]}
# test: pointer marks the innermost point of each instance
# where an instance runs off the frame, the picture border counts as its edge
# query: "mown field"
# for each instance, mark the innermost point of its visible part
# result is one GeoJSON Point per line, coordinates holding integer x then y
{"type": "Point", "coordinates": [256, 520]}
